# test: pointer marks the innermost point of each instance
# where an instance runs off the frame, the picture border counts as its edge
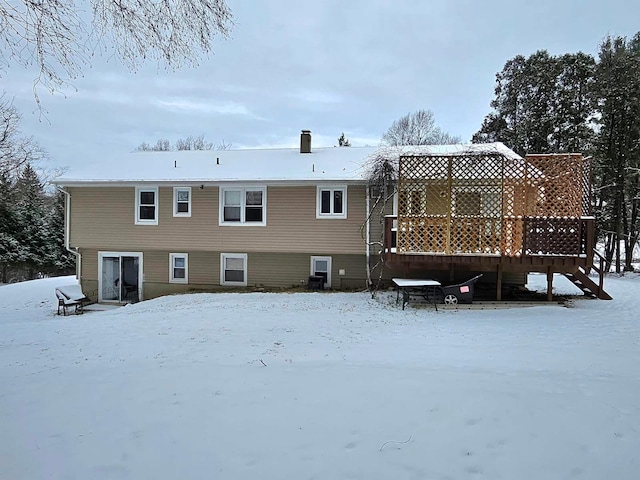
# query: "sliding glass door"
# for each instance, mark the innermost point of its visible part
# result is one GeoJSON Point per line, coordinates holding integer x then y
{"type": "Point", "coordinates": [120, 275]}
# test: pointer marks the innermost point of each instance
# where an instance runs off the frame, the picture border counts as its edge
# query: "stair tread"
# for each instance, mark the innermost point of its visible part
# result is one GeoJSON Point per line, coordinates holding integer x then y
{"type": "Point", "coordinates": [581, 280]}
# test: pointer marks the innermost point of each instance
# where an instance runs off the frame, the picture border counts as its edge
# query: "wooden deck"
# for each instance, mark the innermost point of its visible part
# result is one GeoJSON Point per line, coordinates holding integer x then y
{"type": "Point", "coordinates": [573, 265]}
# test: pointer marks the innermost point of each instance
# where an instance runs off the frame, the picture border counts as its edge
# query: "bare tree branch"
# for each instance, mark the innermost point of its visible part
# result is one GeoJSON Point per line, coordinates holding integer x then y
{"type": "Point", "coordinates": [15, 149]}
{"type": "Point", "coordinates": [58, 37]}
{"type": "Point", "coordinates": [417, 128]}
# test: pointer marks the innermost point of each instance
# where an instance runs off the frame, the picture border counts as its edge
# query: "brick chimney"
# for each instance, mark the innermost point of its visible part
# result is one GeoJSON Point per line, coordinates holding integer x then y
{"type": "Point", "coordinates": [305, 141]}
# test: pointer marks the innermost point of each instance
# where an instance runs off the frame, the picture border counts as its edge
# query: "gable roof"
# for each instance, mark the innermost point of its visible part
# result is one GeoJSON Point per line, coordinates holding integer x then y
{"type": "Point", "coordinates": [284, 165]}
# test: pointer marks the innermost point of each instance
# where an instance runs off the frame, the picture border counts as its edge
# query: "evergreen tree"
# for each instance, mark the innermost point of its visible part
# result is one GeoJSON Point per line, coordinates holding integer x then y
{"type": "Point", "coordinates": [31, 225]}
{"type": "Point", "coordinates": [58, 260]}
{"type": "Point", "coordinates": [9, 245]}
{"type": "Point", "coordinates": [618, 147]}
{"type": "Point", "coordinates": [343, 141]}
{"type": "Point", "coordinates": [575, 104]}
{"type": "Point", "coordinates": [543, 104]}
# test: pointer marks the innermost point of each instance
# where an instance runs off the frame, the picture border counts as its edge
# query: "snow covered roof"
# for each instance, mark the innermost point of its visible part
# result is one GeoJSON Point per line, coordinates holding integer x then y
{"type": "Point", "coordinates": [252, 165]}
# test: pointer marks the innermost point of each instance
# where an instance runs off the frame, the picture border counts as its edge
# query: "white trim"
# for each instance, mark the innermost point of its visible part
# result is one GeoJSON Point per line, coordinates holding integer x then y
{"type": "Point", "coordinates": [332, 188]}
{"type": "Point", "coordinates": [101, 255]}
{"type": "Point", "coordinates": [243, 196]}
{"type": "Point", "coordinates": [140, 190]}
{"type": "Point", "coordinates": [367, 219]}
{"type": "Point", "coordinates": [395, 201]}
{"type": "Point", "coordinates": [67, 231]}
{"type": "Point", "coordinates": [172, 257]}
{"type": "Point", "coordinates": [175, 202]}
{"type": "Point", "coordinates": [312, 270]}
{"type": "Point", "coordinates": [195, 183]}
{"type": "Point", "coordinates": [223, 257]}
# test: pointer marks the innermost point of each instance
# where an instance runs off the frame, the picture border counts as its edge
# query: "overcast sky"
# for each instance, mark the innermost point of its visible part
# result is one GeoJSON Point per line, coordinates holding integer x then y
{"type": "Point", "coordinates": [324, 65]}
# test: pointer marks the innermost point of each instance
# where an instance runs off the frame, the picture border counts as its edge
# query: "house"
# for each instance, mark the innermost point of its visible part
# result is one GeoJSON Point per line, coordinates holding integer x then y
{"type": "Point", "coordinates": [486, 209]}
{"type": "Point", "coordinates": [153, 223]}
{"type": "Point", "coordinates": [148, 224]}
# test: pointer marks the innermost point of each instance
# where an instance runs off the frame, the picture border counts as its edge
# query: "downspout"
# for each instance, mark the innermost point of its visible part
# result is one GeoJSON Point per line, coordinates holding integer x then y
{"type": "Point", "coordinates": [67, 233]}
{"type": "Point", "coordinates": [368, 237]}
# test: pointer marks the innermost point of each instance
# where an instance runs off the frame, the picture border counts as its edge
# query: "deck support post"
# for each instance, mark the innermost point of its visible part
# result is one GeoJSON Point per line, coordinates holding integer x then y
{"type": "Point", "coordinates": [499, 284]}
{"type": "Point", "coordinates": [549, 284]}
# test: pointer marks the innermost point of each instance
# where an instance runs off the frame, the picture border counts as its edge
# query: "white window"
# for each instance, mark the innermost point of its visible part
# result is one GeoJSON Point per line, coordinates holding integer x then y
{"type": "Point", "coordinates": [331, 202]}
{"type": "Point", "coordinates": [243, 206]}
{"type": "Point", "coordinates": [146, 206]}
{"type": "Point", "coordinates": [181, 201]}
{"type": "Point", "coordinates": [321, 267]}
{"type": "Point", "coordinates": [233, 269]}
{"type": "Point", "coordinates": [178, 268]}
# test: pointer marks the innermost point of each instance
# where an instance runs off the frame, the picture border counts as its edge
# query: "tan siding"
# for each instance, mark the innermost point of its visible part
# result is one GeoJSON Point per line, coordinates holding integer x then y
{"type": "Point", "coordinates": [355, 271]}
{"type": "Point", "coordinates": [155, 267]}
{"type": "Point", "coordinates": [90, 289]}
{"type": "Point", "coordinates": [103, 218]}
{"type": "Point", "coordinates": [265, 269]}
{"type": "Point", "coordinates": [89, 264]}
{"type": "Point", "coordinates": [292, 270]}
{"type": "Point", "coordinates": [204, 268]}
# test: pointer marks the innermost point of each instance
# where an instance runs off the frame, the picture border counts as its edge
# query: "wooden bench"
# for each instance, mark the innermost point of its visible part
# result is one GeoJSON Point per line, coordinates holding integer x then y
{"type": "Point", "coordinates": [71, 296]}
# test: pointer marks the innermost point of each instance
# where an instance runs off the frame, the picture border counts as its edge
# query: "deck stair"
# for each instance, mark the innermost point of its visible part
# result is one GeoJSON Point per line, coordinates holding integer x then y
{"type": "Point", "coordinates": [581, 279]}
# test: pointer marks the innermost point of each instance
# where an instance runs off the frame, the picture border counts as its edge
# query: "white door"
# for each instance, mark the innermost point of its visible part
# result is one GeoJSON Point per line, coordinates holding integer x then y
{"type": "Point", "coordinates": [321, 266]}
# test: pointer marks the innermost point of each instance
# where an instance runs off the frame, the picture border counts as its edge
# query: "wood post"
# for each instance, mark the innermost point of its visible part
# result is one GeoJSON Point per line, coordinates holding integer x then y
{"type": "Point", "coordinates": [499, 284]}
{"type": "Point", "coordinates": [549, 284]}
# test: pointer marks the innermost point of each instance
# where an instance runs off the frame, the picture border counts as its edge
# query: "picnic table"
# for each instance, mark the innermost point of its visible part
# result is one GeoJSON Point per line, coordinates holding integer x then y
{"type": "Point", "coordinates": [430, 290]}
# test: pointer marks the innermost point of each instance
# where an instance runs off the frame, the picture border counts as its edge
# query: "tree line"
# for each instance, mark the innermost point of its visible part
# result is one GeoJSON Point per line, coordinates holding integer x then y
{"type": "Point", "coordinates": [190, 142]}
{"type": "Point", "coordinates": [577, 103]}
{"type": "Point", "coordinates": [31, 228]}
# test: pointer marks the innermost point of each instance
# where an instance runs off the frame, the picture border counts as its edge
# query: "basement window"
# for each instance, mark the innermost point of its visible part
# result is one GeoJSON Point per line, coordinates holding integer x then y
{"type": "Point", "coordinates": [233, 269]}
{"type": "Point", "coordinates": [178, 268]}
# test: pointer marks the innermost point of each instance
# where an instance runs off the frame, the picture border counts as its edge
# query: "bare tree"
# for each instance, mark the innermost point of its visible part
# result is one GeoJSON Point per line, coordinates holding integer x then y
{"type": "Point", "coordinates": [222, 145]}
{"type": "Point", "coordinates": [193, 143]}
{"type": "Point", "coordinates": [187, 143]}
{"type": "Point", "coordinates": [417, 128]}
{"type": "Point", "coordinates": [382, 178]}
{"type": "Point", "coordinates": [59, 38]}
{"type": "Point", "coordinates": [15, 149]}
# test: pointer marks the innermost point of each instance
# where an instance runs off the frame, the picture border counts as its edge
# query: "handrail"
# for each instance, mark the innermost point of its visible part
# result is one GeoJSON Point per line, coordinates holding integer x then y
{"type": "Point", "coordinates": [600, 269]}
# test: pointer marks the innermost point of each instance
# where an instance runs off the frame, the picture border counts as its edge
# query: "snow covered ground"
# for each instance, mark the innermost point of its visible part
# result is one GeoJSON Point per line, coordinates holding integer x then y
{"type": "Point", "coordinates": [352, 388]}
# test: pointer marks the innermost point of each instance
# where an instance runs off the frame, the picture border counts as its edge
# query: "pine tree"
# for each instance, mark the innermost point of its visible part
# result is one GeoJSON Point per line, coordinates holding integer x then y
{"type": "Point", "coordinates": [9, 245]}
{"type": "Point", "coordinates": [58, 260]}
{"type": "Point", "coordinates": [543, 104]}
{"type": "Point", "coordinates": [618, 147]}
{"type": "Point", "coordinates": [31, 226]}
{"type": "Point", "coordinates": [343, 141]}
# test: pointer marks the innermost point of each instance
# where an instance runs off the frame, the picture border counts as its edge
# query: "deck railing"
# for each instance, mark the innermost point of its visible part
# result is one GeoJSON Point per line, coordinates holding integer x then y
{"type": "Point", "coordinates": [506, 236]}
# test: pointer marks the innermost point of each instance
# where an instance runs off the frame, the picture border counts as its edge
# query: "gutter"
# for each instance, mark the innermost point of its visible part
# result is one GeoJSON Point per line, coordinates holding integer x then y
{"type": "Point", "coordinates": [368, 236]}
{"type": "Point", "coordinates": [67, 227]}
